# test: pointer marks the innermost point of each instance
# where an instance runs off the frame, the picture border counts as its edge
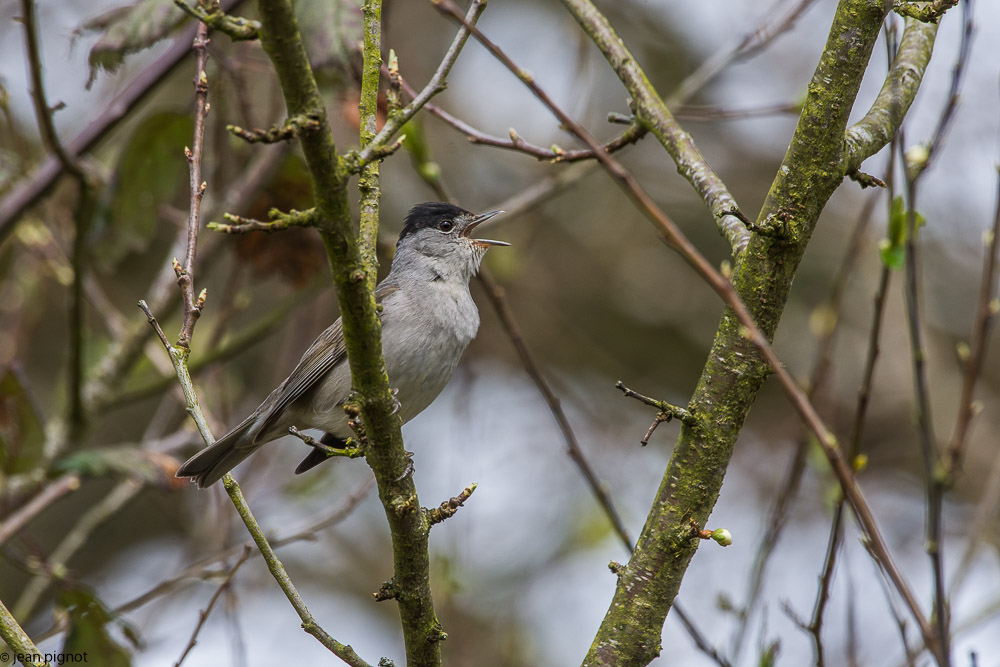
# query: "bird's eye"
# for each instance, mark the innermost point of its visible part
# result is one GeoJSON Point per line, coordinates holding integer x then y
{"type": "Point", "coordinates": [446, 225]}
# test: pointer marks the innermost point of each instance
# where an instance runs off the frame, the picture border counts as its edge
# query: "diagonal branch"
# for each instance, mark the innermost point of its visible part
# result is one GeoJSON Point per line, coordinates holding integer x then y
{"type": "Point", "coordinates": [437, 84]}
{"type": "Point", "coordinates": [652, 113]}
{"type": "Point", "coordinates": [870, 134]}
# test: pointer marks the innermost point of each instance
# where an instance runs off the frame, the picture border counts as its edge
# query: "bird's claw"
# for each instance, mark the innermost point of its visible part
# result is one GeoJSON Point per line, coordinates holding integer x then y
{"type": "Point", "coordinates": [408, 471]}
{"type": "Point", "coordinates": [396, 405]}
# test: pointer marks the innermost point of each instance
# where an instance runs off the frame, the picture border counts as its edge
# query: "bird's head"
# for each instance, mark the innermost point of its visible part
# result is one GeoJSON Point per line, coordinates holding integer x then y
{"type": "Point", "coordinates": [441, 233]}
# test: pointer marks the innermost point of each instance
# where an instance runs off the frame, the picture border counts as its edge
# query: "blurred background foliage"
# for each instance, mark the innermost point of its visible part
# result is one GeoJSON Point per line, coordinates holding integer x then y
{"type": "Point", "coordinates": [521, 573]}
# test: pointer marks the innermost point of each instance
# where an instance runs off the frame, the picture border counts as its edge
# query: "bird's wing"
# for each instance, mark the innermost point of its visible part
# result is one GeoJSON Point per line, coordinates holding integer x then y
{"type": "Point", "coordinates": [326, 352]}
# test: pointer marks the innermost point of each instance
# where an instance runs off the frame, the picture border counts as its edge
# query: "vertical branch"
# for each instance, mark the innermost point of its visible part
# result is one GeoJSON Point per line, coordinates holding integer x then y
{"type": "Point", "coordinates": [185, 271]}
{"type": "Point", "coordinates": [986, 311]}
{"type": "Point", "coordinates": [82, 216]}
{"type": "Point", "coordinates": [368, 183]}
{"type": "Point", "coordinates": [925, 427]}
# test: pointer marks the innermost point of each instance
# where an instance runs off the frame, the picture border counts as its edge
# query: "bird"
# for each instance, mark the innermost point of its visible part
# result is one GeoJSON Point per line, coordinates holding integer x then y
{"type": "Point", "coordinates": [428, 319]}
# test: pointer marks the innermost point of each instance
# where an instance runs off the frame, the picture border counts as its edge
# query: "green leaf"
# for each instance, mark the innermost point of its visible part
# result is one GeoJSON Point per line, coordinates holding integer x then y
{"type": "Point", "coordinates": [126, 30]}
{"type": "Point", "coordinates": [22, 435]}
{"type": "Point", "coordinates": [892, 249]}
{"type": "Point", "coordinates": [151, 170]}
{"type": "Point", "coordinates": [893, 256]}
{"type": "Point", "coordinates": [897, 221]}
{"type": "Point", "coordinates": [88, 618]}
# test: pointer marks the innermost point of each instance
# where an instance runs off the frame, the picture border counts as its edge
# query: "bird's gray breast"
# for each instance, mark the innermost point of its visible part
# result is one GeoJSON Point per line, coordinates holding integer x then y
{"type": "Point", "coordinates": [426, 328]}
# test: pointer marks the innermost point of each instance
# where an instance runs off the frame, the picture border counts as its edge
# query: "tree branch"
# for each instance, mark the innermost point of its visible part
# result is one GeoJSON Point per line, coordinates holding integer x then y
{"type": "Point", "coordinates": [870, 134]}
{"type": "Point", "coordinates": [437, 84]}
{"type": "Point", "coordinates": [653, 114]}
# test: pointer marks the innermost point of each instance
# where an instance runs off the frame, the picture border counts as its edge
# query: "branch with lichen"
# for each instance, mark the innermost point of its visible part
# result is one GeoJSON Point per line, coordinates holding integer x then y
{"type": "Point", "coordinates": [874, 131]}
{"type": "Point", "coordinates": [375, 148]}
{"type": "Point", "coordinates": [278, 220]}
{"type": "Point", "coordinates": [210, 13]}
{"type": "Point", "coordinates": [291, 129]}
{"type": "Point", "coordinates": [354, 277]}
{"type": "Point", "coordinates": [654, 115]}
{"type": "Point", "coordinates": [14, 635]}
{"type": "Point", "coordinates": [740, 361]}
{"type": "Point", "coordinates": [926, 12]}
{"type": "Point", "coordinates": [667, 411]}
{"type": "Point", "coordinates": [450, 507]}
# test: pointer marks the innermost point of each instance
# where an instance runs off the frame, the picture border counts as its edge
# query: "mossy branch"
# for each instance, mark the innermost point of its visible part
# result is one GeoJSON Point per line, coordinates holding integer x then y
{"type": "Point", "coordinates": [278, 220]}
{"type": "Point", "coordinates": [927, 12]}
{"type": "Point", "coordinates": [652, 113]}
{"type": "Point", "coordinates": [14, 635]}
{"type": "Point", "coordinates": [871, 134]}
{"type": "Point", "coordinates": [354, 276]}
{"type": "Point", "coordinates": [237, 28]}
{"type": "Point", "coordinates": [735, 369]}
{"type": "Point", "coordinates": [286, 132]}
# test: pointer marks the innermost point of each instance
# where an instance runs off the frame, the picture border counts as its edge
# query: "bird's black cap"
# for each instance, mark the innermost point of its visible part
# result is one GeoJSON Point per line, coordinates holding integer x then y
{"type": "Point", "coordinates": [429, 214]}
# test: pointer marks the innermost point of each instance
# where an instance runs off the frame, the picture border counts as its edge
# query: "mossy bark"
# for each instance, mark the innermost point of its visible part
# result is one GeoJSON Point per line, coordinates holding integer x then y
{"type": "Point", "coordinates": [354, 273]}
{"type": "Point", "coordinates": [813, 167]}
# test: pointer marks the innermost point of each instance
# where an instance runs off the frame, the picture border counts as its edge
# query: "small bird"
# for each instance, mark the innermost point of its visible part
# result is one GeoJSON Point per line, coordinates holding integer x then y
{"type": "Point", "coordinates": [428, 319]}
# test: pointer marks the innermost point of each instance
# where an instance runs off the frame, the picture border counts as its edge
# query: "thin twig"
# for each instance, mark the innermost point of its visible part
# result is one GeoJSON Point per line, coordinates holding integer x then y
{"type": "Point", "coordinates": [753, 42]}
{"type": "Point", "coordinates": [830, 315]}
{"type": "Point", "coordinates": [203, 615]}
{"type": "Point", "coordinates": [436, 85]}
{"type": "Point", "coordinates": [117, 499]}
{"type": "Point", "coordinates": [497, 299]}
{"type": "Point", "coordinates": [83, 214]}
{"type": "Point", "coordinates": [185, 271]}
{"type": "Point", "coordinates": [43, 112]}
{"type": "Point", "coordinates": [925, 428]}
{"type": "Point", "coordinates": [51, 493]}
{"type": "Point", "coordinates": [553, 154]}
{"type": "Point", "coordinates": [30, 190]}
{"type": "Point", "coordinates": [203, 568]}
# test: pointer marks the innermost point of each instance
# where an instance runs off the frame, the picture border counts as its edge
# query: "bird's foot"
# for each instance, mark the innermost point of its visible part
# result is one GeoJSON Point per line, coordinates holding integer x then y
{"type": "Point", "coordinates": [396, 405]}
{"type": "Point", "coordinates": [408, 470]}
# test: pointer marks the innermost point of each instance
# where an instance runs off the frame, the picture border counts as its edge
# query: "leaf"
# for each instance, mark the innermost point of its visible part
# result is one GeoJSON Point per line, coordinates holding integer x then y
{"type": "Point", "coordinates": [151, 170]}
{"type": "Point", "coordinates": [892, 249]}
{"type": "Point", "coordinates": [127, 30]}
{"type": "Point", "coordinates": [88, 618]}
{"type": "Point", "coordinates": [22, 434]}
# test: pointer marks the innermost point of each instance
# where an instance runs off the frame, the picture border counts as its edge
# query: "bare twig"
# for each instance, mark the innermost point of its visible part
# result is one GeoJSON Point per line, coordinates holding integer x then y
{"type": "Point", "coordinates": [986, 306]}
{"type": "Point", "coordinates": [54, 491]}
{"type": "Point", "coordinates": [830, 315]}
{"type": "Point", "coordinates": [450, 507]}
{"type": "Point", "coordinates": [41, 180]}
{"type": "Point", "coordinates": [203, 568]}
{"type": "Point", "coordinates": [774, 24]}
{"type": "Point", "coordinates": [498, 300]}
{"type": "Point", "coordinates": [83, 214]}
{"type": "Point", "coordinates": [118, 498]}
{"type": "Point", "coordinates": [203, 615]}
{"type": "Point", "coordinates": [436, 84]}
{"type": "Point", "coordinates": [185, 271]}
{"type": "Point", "coordinates": [553, 153]}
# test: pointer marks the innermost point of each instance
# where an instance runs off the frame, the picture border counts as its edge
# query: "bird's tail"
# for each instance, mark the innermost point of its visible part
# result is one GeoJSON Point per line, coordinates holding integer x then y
{"type": "Point", "coordinates": [212, 463]}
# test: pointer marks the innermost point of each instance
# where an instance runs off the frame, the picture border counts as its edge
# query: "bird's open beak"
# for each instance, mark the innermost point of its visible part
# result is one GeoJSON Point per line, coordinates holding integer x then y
{"type": "Point", "coordinates": [479, 219]}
